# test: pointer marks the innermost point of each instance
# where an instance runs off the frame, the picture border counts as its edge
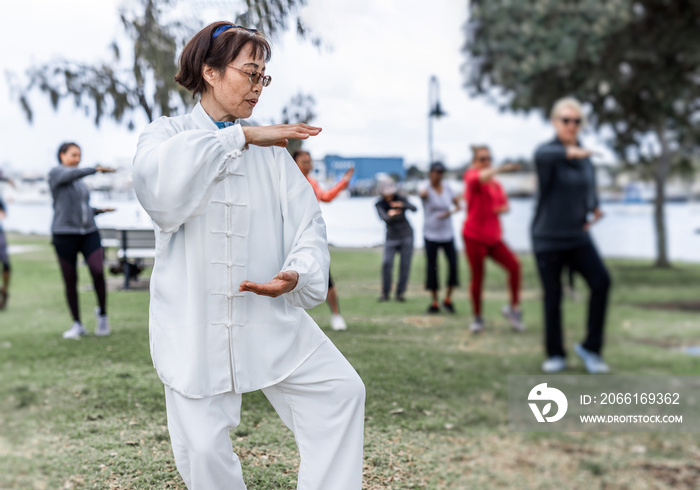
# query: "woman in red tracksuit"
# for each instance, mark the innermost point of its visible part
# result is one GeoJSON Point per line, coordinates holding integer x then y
{"type": "Point", "coordinates": [485, 201]}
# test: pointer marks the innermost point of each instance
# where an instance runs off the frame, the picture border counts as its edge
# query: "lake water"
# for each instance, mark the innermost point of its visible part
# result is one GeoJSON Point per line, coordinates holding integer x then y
{"type": "Point", "coordinates": [627, 230]}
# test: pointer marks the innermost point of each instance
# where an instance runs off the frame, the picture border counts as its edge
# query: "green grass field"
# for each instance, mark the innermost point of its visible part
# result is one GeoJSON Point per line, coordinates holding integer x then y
{"type": "Point", "coordinates": [91, 414]}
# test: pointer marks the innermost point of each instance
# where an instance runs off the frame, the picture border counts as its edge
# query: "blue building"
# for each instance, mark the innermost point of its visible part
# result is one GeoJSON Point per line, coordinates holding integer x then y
{"type": "Point", "coordinates": [366, 168]}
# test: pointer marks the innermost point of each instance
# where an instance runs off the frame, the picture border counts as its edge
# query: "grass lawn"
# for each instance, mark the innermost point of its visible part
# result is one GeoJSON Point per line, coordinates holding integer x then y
{"type": "Point", "coordinates": [91, 413]}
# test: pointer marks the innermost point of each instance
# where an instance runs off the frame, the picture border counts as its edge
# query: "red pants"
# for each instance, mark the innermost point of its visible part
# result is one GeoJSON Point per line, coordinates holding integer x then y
{"type": "Point", "coordinates": [476, 255]}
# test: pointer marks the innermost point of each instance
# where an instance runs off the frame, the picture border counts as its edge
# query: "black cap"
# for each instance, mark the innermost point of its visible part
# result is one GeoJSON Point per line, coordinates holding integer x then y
{"type": "Point", "coordinates": [437, 167]}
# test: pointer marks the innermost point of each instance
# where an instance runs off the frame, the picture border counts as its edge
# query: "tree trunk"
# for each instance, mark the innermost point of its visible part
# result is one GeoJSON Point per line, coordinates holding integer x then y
{"type": "Point", "coordinates": [660, 222]}
{"type": "Point", "coordinates": [663, 165]}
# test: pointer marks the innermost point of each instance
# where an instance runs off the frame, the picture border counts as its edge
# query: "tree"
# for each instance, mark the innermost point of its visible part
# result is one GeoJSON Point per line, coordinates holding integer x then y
{"type": "Point", "coordinates": [299, 109]}
{"type": "Point", "coordinates": [634, 63]}
{"type": "Point", "coordinates": [144, 83]}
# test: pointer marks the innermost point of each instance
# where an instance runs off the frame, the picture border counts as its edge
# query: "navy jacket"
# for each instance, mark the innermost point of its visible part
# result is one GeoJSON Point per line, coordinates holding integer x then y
{"type": "Point", "coordinates": [566, 195]}
{"type": "Point", "coordinates": [397, 227]}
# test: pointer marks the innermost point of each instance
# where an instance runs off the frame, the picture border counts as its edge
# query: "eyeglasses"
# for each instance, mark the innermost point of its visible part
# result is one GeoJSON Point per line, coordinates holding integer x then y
{"type": "Point", "coordinates": [568, 120]}
{"type": "Point", "coordinates": [226, 27]}
{"type": "Point", "coordinates": [484, 159]}
{"type": "Point", "coordinates": [256, 77]}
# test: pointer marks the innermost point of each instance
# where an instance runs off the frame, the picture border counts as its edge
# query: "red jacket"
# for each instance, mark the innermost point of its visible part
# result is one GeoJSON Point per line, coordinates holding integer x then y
{"type": "Point", "coordinates": [483, 199]}
{"type": "Point", "coordinates": [330, 194]}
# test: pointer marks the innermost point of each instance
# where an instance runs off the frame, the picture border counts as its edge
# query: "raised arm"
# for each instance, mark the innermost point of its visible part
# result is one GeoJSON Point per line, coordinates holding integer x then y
{"type": "Point", "coordinates": [407, 204]}
{"type": "Point", "coordinates": [170, 164]}
{"type": "Point", "coordinates": [62, 175]}
{"type": "Point", "coordinates": [382, 212]}
{"type": "Point", "coordinates": [175, 173]}
{"type": "Point", "coordinates": [330, 194]}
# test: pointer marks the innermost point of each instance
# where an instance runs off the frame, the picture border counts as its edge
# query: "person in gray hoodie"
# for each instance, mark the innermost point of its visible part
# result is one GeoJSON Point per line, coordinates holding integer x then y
{"type": "Point", "coordinates": [74, 230]}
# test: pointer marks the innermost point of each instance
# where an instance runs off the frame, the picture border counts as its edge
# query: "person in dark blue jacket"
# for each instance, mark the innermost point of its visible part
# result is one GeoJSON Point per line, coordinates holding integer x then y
{"type": "Point", "coordinates": [567, 205]}
{"type": "Point", "coordinates": [392, 208]}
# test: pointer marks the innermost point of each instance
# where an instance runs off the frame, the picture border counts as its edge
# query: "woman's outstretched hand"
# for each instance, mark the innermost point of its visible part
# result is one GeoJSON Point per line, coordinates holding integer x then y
{"type": "Point", "coordinates": [280, 284]}
{"type": "Point", "coordinates": [577, 153]}
{"type": "Point", "coordinates": [278, 135]}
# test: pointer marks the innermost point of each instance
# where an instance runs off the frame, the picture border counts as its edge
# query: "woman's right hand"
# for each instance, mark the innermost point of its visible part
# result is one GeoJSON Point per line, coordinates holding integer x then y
{"type": "Point", "coordinates": [348, 175]}
{"type": "Point", "coordinates": [278, 135]}
{"type": "Point", "coordinates": [105, 170]}
{"type": "Point", "coordinates": [577, 153]}
{"type": "Point", "coordinates": [510, 167]}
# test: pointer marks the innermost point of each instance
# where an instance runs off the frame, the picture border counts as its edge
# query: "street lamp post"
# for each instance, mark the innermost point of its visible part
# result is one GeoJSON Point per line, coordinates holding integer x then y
{"type": "Point", "coordinates": [435, 112]}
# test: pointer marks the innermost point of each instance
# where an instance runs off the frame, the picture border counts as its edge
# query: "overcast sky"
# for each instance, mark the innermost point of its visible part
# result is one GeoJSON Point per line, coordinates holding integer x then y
{"type": "Point", "coordinates": [371, 88]}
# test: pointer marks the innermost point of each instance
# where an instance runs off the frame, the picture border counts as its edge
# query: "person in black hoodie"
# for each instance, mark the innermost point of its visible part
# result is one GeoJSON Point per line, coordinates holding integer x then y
{"type": "Point", "coordinates": [74, 230]}
{"type": "Point", "coordinates": [399, 238]}
{"type": "Point", "coordinates": [566, 207]}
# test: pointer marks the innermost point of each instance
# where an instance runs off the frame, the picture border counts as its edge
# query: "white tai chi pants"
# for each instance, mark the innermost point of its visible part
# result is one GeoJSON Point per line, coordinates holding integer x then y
{"type": "Point", "coordinates": [323, 404]}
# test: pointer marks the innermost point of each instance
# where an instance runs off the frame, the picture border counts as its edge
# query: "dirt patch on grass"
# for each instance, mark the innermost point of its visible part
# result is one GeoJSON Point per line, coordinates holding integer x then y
{"type": "Point", "coordinates": [424, 321]}
{"type": "Point", "coordinates": [674, 475]}
{"type": "Point", "coordinates": [669, 343]}
{"type": "Point", "coordinates": [671, 305]}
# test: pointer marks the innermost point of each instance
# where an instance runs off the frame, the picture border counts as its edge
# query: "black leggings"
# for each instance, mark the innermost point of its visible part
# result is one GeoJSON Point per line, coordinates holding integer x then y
{"type": "Point", "coordinates": [431, 252]}
{"type": "Point", "coordinates": [67, 248]}
{"type": "Point", "coordinates": [586, 261]}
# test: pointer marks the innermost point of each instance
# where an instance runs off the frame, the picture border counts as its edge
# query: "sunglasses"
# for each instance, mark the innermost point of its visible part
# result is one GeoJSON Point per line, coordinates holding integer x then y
{"type": "Point", "coordinates": [568, 120]}
{"type": "Point", "coordinates": [226, 27]}
{"type": "Point", "coordinates": [484, 159]}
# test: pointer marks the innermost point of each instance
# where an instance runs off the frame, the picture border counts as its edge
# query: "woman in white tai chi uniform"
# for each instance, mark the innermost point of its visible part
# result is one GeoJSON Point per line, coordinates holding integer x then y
{"type": "Point", "coordinates": [240, 252]}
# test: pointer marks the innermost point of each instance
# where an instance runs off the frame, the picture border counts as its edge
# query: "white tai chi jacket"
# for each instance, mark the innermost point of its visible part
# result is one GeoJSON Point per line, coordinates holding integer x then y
{"type": "Point", "coordinates": [224, 214]}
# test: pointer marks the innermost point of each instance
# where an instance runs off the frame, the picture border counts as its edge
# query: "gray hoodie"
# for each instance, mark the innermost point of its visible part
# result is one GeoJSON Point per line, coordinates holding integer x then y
{"type": "Point", "coordinates": [71, 201]}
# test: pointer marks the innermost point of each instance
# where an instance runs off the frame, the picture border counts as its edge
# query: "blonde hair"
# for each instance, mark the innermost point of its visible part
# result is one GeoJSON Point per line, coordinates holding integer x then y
{"type": "Point", "coordinates": [571, 102]}
{"type": "Point", "coordinates": [477, 148]}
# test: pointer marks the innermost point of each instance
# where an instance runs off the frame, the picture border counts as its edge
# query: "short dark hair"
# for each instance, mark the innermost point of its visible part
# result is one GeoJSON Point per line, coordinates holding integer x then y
{"type": "Point", "coordinates": [217, 53]}
{"type": "Point", "coordinates": [299, 153]}
{"type": "Point", "coordinates": [64, 149]}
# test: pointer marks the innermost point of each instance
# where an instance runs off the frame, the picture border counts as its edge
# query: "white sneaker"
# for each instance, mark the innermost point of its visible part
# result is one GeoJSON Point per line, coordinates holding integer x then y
{"type": "Point", "coordinates": [593, 362]}
{"type": "Point", "coordinates": [338, 323]}
{"type": "Point", "coordinates": [102, 329]}
{"type": "Point", "coordinates": [477, 325]}
{"type": "Point", "coordinates": [75, 332]}
{"type": "Point", "coordinates": [554, 364]}
{"type": "Point", "coordinates": [514, 317]}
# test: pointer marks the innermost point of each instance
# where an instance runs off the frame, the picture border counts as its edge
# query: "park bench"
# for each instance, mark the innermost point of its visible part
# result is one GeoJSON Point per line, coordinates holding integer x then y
{"type": "Point", "coordinates": [133, 248]}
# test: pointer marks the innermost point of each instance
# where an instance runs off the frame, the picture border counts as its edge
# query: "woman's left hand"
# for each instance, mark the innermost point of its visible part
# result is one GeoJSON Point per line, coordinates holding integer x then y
{"type": "Point", "coordinates": [280, 284]}
{"type": "Point", "coordinates": [597, 215]}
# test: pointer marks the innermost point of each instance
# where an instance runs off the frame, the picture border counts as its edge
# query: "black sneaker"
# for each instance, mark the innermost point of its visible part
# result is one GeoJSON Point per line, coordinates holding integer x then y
{"type": "Point", "coordinates": [400, 298]}
{"type": "Point", "coordinates": [383, 298]}
{"type": "Point", "coordinates": [433, 309]}
{"type": "Point", "coordinates": [448, 307]}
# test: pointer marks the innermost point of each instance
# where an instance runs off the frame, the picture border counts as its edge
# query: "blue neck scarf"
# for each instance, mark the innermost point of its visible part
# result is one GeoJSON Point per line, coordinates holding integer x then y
{"type": "Point", "coordinates": [222, 124]}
